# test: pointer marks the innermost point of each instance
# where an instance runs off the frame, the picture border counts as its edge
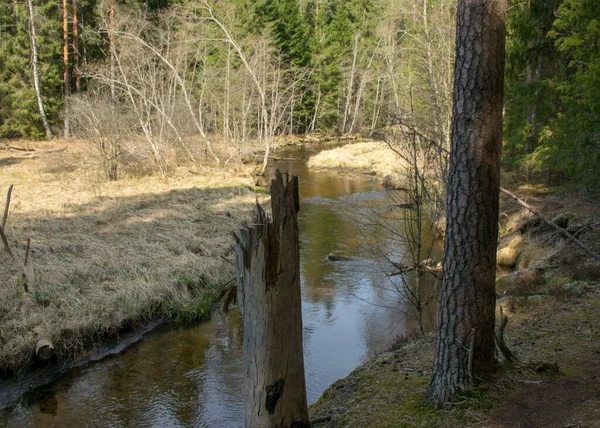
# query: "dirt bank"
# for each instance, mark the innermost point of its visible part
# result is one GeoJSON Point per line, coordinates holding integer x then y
{"type": "Point", "coordinates": [554, 318]}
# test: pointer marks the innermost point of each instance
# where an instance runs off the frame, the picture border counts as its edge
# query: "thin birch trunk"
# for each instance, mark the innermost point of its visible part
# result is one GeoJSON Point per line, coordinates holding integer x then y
{"type": "Point", "coordinates": [36, 71]}
{"type": "Point", "coordinates": [351, 84]}
{"type": "Point", "coordinates": [113, 51]}
{"type": "Point", "coordinates": [76, 47]}
{"type": "Point", "coordinates": [313, 123]}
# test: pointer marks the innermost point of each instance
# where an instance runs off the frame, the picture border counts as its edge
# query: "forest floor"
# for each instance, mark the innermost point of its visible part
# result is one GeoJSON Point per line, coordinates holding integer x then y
{"type": "Point", "coordinates": [554, 328]}
{"type": "Point", "coordinates": [109, 256]}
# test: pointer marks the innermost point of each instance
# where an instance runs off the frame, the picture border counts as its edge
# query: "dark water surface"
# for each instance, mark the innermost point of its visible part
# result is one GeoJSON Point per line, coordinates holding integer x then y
{"type": "Point", "coordinates": [193, 376]}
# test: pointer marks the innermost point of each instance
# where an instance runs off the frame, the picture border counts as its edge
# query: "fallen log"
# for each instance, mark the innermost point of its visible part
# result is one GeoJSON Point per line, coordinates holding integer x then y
{"type": "Point", "coordinates": [550, 223]}
{"type": "Point", "coordinates": [19, 149]}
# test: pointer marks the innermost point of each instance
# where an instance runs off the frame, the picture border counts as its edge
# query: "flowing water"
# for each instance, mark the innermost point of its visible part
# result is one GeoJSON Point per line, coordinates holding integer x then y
{"type": "Point", "coordinates": [193, 376]}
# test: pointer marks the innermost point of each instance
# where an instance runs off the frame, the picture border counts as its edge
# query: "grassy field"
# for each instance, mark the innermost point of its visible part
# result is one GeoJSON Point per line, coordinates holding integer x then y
{"type": "Point", "coordinates": [107, 256]}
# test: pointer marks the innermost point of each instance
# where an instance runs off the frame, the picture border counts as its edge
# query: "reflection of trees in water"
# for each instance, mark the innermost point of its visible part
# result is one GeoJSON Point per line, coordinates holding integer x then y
{"type": "Point", "coordinates": [401, 239]}
{"type": "Point", "coordinates": [327, 232]}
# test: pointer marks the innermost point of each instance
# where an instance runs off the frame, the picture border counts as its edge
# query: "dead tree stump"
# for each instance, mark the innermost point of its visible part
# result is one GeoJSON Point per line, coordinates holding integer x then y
{"type": "Point", "coordinates": [268, 279]}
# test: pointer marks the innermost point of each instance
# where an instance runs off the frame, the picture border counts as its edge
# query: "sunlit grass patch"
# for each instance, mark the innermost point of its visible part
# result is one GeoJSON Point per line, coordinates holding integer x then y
{"type": "Point", "coordinates": [368, 157]}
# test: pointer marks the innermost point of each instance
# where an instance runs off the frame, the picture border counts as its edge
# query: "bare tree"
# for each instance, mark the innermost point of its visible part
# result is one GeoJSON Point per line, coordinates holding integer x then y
{"type": "Point", "coordinates": [268, 81]}
{"type": "Point", "coordinates": [98, 121]}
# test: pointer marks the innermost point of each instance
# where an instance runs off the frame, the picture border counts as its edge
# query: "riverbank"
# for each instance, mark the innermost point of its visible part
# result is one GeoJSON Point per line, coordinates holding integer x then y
{"type": "Point", "coordinates": [552, 302]}
{"type": "Point", "coordinates": [367, 157]}
{"type": "Point", "coordinates": [109, 256]}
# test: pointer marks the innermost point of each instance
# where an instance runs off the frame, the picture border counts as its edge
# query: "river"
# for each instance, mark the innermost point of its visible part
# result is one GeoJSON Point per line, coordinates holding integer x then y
{"type": "Point", "coordinates": [193, 376]}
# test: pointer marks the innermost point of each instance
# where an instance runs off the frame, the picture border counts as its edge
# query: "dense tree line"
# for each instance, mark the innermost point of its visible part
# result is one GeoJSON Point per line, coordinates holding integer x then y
{"type": "Point", "coordinates": [345, 61]}
{"type": "Point", "coordinates": [553, 82]}
{"type": "Point", "coordinates": [309, 65]}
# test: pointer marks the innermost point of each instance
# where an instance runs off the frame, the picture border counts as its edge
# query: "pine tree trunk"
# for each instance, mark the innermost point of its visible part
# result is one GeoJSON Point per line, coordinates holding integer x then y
{"type": "Point", "coordinates": [268, 275]}
{"type": "Point", "coordinates": [76, 47]}
{"type": "Point", "coordinates": [465, 338]}
{"type": "Point", "coordinates": [36, 70]}
{"type": "Point", "coordinates": [67, 129]}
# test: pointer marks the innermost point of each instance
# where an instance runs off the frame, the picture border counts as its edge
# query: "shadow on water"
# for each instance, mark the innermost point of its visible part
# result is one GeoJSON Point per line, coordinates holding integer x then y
{"type": "Point", "coordinates": [193, 376]}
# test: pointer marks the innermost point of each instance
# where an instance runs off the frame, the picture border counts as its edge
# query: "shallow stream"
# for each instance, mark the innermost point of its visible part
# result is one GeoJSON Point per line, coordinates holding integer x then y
{"type": "Point", "coordinates": [193, 376]}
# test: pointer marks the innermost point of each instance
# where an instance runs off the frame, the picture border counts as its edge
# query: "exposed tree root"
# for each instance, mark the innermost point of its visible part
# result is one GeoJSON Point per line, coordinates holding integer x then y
{"type": "Point", "coordinates": [537, 366]}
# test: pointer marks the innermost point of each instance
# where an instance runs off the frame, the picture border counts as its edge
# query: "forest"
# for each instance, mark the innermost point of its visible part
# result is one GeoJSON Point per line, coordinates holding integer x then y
{"type": "Point", "coordinates": [173, 73]}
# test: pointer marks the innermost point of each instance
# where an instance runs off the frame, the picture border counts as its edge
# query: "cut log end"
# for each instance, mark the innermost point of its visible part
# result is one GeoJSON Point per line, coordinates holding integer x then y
{"type": "Point", "coordinates": [44, 350]}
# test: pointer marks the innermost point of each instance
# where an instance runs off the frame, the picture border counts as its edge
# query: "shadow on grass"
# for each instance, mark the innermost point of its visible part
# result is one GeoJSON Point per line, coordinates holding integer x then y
{"type": "Point", "coordinates": [11, 161]}
{"type": "Point", "coordinates": [117, 262]}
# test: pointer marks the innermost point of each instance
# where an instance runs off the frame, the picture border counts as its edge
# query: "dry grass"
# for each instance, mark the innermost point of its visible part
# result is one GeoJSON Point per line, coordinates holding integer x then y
{"type": "Point", "coordinates": [364, 157]}
{"type": "Point", "coordinates": [108, 256]}
{"type": "Point", "coordinates": [508, 255]}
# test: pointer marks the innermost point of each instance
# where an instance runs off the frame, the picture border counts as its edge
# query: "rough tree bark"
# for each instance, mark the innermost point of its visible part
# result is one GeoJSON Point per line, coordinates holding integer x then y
{"type": "Point", "coordinates": [268, 278]}
{"type": "Point", "coordinates": [465, 337]}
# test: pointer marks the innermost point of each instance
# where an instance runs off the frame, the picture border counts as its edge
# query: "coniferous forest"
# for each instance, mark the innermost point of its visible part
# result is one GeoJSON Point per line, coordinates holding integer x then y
{"type": "Point", "coordinates": [182, 73]}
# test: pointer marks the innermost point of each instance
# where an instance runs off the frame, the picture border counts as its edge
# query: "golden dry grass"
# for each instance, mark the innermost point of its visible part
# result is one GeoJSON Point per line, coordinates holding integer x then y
{"type": "Point", "coordinates": [508, 255]}
{"type": "Point", "coordinates": [365, 157]}
{"type": "Point", "coordinates": [110, 255]}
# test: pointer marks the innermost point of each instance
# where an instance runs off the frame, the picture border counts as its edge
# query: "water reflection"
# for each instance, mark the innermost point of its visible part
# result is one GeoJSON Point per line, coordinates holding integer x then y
{"type": "Point", "coordinates": [193, 376]}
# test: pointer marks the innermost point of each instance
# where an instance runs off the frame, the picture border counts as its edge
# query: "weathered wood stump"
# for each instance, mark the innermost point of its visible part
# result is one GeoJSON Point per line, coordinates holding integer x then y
{"type": "Point", "coordinates": [268, 279]}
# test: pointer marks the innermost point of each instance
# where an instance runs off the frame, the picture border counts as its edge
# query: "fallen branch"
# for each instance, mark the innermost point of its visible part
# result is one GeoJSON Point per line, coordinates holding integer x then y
{"type": "Point", "coordinates": [3, 223]}
{"type": "Point", "coordinates": [20, 278]}
{"type": "Point", "coordinates": [426, 265]}
{"type": "Point", "coordinates": [20, 149]}
{"type": "Point", "coordinates": [57, 150]}
{"type": "Point", "coordinates": [6, 205]}
{"type": "Point", "coordinates": [552, 224]}
{"type": "Point", "coordinates": [282, 158]}
{"type": "Point", "coordinates": [6, 244]}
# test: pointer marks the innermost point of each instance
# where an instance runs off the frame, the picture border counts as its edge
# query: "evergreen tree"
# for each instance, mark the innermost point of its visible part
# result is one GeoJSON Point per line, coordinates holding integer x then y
{"type": "Point", "coordinates": [330, 51]}
{"type": "Point", "coordinates": [532, 62]}
{"type": "Point", "coordinates": [553, 87]}
{"type": "Point", "coordinates": [290, 34]}
{"type": "Point", "coordinates": [575, 143]}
